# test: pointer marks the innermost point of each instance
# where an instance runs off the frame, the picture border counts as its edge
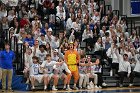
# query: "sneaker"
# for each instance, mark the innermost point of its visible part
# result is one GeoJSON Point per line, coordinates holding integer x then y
{"type": "Point", "coordinates": [100, 87]}
{"type": "Point", "coordinates": [96, 86]}
{"type": "Point", "coordinates": [91, 85]}
{"type": "Point", "coordinates": [53, 88]}
{"type": "Point", "coordinates": [121, 85]}
{"type": "Point", "coordinates": [68, 88]}
{"type": "Point", "coordinates": [33, 88]}
{"type": "Point", "coordinates": [130, 85]}
{"type": "Point", "coordinates": [10, 90]}
{"type": "Point", "coordinates": [104, 84]}
{"type": "Point", "coordinates": [88, 87]}
{"type": "Point", "coordinates": [80, 87]}
{"type": "Point", "coordinates": [64, 88]}
{"type": "Point", "coordinates": [27, 82]}
{"type": "Point", "coordinates": [75, 88]}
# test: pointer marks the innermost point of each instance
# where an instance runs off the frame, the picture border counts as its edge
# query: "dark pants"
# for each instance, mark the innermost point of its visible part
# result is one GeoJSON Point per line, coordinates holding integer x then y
{"type": "Point", "coordinates": [133, 75]}
{"type": "Point", "coordinates": [122, 75]}
{"type": "Point", "coordinates": [115, 67]}
{"type": "Point", "coordinates": [77, 35]}
{"type": "Point", "coordinates": [102, 55]}
{"type": "Point", "coordinates": [89, 41]}
{"type": "Point", "coordinates": [100, 79]}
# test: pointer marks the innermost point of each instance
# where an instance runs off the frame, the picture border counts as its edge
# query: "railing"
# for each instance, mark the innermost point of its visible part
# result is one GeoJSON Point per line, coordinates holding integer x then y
{"type": "Point", "coordinates": [116, 12]}
{"type": "Point", "coordinates": [18, 48]}
{"type": "Point", "coordinates": [107, 7]}
{"type": "Point", "coordinates": [59, 24]}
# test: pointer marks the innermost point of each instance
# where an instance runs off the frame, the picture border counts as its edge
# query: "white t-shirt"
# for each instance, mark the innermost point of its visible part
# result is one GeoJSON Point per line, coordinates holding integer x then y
{"type": "Point", "coordinates": [48, 66]}
{"type": "Point", "coordinates": [95, 69]}
{"type": "Point", "coordinates": [97, 46]}
{"type": "Point", "coordinates": [28, 60]}
{"type": "Point", "coordinates": [34, 69]}
{"type": "Point", "coordinates": [61, 68]}
{"type": "Point", "coordinates": [41, 55]}
{"type": "Point", "coordinates": [137, 67]}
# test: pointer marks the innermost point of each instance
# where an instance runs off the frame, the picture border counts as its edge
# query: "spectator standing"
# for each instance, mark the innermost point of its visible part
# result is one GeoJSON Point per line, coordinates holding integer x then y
{"type": "Point", "coordinates": [7, 57]}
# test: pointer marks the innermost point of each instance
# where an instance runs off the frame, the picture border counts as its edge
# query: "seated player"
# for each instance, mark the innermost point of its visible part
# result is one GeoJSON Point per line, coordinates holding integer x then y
{"type": "Point", "coordinates": [84, 76]}
{"type": "Point", "coordinates": [47, 65]}
{"type": "Point", "coordinates": [63, 72]}
{"type": "Point", "coordinates": [91, 72]}
{"type": "Point", "coordinates": [34, 72]}
{"type": "Point", "coordinates": [97, 69]}
{"type": "Point", "coordinates": [27, 63]}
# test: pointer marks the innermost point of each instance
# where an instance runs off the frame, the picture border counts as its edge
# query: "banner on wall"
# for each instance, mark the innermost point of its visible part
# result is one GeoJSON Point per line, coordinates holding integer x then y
{"type": "Point", "coordinates": [135, 7]}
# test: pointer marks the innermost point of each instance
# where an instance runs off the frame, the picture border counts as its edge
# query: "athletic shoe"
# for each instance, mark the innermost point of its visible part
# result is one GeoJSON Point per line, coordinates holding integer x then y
{"type": "Point", "coordinates": [121, 85]}
{"type": "Point", "coordinates": [88, 87]}
{"type": "Point", "coordinates": [53, 88]}
{"type": "Point", "coordinates": [68, 88]}
{"type": "Point", "coordinates": [33, 88]}
{"type": "Point", "coordinates": [100, 87]}
{"type": "Point", "coordinates": [96, 86]}
{"type": "Point", "coordinates": [64, 88]}
{"type": "Point", "coordinates": [130, 85]}
{"type": "Point", "coordinates": [10, 90]}
{"type": "Point", "coordinates": [80, 87]}
{"type": "Point", "coordinates": [27, 82]}
{"type": "Point", "coordinates": [104, 84]}
{"type": "Point", "coordinates": [91, 85]}
{"type": "Point", "coordinates": [75, 88]}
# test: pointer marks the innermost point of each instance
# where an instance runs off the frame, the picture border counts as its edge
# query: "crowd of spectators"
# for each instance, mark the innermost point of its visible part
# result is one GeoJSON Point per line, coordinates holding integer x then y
{"type": "Point", "coordinates": [81, 20]}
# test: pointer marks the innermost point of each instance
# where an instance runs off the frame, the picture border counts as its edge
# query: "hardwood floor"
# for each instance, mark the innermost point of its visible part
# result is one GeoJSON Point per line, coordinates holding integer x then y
{"type": "Point", "coordinates": [105, 90]}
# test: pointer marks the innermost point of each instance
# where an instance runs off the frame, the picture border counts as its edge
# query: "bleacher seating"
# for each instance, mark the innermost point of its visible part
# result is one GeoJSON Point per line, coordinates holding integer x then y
{"type": "Point", "coordinates": [19, 62]}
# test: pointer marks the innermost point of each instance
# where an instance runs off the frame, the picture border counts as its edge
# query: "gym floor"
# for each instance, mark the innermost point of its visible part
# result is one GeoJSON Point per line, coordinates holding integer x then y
{"type": "Point", "coordinates": [105, 90]}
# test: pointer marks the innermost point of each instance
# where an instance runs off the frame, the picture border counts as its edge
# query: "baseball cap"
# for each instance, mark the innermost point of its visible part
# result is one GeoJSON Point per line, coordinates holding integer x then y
{"type": "Point", "coordinates": [50, 29]}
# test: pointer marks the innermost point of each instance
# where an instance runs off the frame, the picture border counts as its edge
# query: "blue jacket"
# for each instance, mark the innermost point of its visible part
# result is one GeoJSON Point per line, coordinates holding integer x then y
{"type": "Point", "coordinates": [0, 59]}
{"type": "Point", "coordinates": [43, 31]}
{"type": "Point", "coordinates": [7, 59]}
{"type": "Point", "coordinates": [30, 41]}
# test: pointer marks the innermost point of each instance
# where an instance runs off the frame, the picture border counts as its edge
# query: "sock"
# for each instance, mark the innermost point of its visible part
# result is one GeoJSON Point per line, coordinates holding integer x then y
{"type": "Point", "coordinates": [68, 86]}
{"type": "Point", "coordinates": [33, 87]}
{"type": "Point", "coordinates": [64, 86]}
{"type": "Point", "coordinates": [74, 85]}
{"type": "Point", "coordinates": [45, 87]}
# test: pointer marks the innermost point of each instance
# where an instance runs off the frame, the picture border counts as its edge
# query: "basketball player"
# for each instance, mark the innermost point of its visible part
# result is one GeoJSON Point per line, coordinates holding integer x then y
{"type": "Point", "coordinates": [64, 73]}
{"type": "Point", "coordinates": [91, 72]}
{"type": "Point", "coordinates": [34, 72]}
{"type": "Point", "coordinates": [84, 76]}
{"type": "Point", "coordinates": [47, 65]}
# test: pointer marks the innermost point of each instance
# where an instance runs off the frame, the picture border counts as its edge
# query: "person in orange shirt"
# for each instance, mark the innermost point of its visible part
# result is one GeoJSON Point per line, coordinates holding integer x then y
{"type": "Point", "coordinates": [72, 58]}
